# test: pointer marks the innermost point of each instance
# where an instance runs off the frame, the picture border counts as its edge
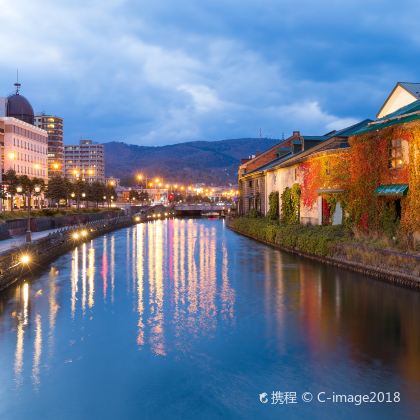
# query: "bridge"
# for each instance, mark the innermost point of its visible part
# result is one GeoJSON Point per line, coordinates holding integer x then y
{"type": "Point", "coordinates": [202, 209]}
{"type": "Point", "coordinates": [180, 210]}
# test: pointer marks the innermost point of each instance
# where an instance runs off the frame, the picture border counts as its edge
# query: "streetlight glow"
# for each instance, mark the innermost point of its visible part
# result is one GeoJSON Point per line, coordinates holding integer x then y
{"type": "Point", "coordinates": [25, 259]}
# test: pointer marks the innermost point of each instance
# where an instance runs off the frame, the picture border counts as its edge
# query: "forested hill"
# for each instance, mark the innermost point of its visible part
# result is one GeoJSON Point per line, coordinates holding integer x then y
{"type": "Point", "coordinates": [211, 162]}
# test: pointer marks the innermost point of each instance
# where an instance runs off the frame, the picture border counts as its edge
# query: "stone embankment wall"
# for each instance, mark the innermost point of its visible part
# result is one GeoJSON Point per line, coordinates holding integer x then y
{"type": "Point", "coordinates": [41, 252]}
{"type": "Point", "coordinates": [18, 226]}
{"type": "Point", "coordinates": [389, 265]}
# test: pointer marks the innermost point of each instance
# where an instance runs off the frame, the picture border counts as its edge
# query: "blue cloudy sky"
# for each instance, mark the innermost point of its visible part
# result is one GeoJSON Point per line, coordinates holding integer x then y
{"type": "Point", "coordinates": [164, 71]}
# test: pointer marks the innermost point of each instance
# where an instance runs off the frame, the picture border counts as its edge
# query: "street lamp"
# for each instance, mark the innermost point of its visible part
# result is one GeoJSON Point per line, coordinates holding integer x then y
{"type": "Point", "coordinates": [19, 190]}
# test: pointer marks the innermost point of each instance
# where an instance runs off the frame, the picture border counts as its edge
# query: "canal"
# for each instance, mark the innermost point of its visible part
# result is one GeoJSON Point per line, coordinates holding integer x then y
{"type": "Point", "coordinates": [185, 319]}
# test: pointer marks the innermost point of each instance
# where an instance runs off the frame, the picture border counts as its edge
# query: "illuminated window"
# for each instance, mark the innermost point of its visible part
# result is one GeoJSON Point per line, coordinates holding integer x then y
{"type": "Point", "coordinates": [395, 159]}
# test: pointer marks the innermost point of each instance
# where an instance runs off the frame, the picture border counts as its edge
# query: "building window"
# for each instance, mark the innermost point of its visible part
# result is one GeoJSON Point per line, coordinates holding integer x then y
{"type": "Point", "coordinates": [327, 168]}
{"type": "Point", "coordinates": [250, 184]}
{"type": "Point", "coordinates": [395, 154]}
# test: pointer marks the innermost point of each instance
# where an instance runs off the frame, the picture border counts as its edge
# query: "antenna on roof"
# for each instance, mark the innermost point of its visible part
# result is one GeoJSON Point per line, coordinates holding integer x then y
{"type": "Point", "coordinates": [282, 136]}
{"type": "Point", "coordinates": [17, 84]}
{"type": "Point", "coordinates": [260, 134]}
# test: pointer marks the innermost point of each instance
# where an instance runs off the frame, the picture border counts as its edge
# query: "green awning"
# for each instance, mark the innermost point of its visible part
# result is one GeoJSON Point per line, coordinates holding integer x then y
{"type": "Point", "coordinates": [392, 189]}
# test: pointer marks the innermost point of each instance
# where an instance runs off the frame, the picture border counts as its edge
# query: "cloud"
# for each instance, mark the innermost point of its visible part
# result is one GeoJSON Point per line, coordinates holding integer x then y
{"type": "Point", "coordinates": [159, 72]}
{"type": "Point", "coordinates": [205, 99]}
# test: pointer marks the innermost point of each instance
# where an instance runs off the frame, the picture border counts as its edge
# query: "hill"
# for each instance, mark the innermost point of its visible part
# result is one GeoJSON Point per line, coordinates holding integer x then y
{"type": "Point", "coordinates": [211, 162]}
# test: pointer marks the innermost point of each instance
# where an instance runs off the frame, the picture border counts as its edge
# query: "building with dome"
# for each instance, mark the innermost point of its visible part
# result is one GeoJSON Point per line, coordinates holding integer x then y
{"type": "Point", "coordinates": [25, 146]}
{"type": "Point", "coordinates": [17, 106]}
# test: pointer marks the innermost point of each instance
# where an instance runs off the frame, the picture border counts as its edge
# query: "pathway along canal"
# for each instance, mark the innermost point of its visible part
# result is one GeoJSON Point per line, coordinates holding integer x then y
{"type": "Point", "coordinates": [185, 319]}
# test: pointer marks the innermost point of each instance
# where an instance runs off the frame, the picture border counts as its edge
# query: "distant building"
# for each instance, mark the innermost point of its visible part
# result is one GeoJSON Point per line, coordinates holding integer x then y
{"type": "Point", "coordinates": [24, 145]}
{"type": "Point", "coordinates": [113, 182]}
{"type": "Point", "coordinates": [85, 161]}
{"type": "Point", "coordinates": [54, 127]}
{"type": "Point", "coordinates": [2, 126]}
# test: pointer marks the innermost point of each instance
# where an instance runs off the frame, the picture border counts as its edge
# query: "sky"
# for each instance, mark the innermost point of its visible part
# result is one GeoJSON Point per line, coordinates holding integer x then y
{"type": "Point", "coordinates": [160, 72]}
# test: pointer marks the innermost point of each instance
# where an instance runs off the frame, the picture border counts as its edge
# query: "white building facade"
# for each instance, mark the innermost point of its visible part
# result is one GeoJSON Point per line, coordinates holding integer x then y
{"type": "Point", "coordinates": [85, 161]}
{"type": "Point", "coordinates": [25, 149]}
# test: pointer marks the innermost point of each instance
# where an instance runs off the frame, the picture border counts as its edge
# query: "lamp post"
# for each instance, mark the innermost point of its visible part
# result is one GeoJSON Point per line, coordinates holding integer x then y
{"type": "Point", "coordinates": [140, 179]}
{"type": "Point", "coordinates": [19, 190]}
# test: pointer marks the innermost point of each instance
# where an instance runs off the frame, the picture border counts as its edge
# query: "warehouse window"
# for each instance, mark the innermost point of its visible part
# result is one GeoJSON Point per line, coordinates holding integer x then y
{"type": "Point", "coordinates": [395, 154]}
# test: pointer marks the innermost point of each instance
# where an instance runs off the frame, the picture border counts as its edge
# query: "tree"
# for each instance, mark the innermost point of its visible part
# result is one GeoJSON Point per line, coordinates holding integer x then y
{"type": "Point", "coordinates": [134, 195]}
{"type": "Point", "coordinates": [11, 180]}
{"type": "Point", "coordinates": [96, 192]}
{"type": "Point", "coordinates": [25, 183]}
{"type": "Point", "coordinates": [56, 189]}
{"type": "Point", "coordinates": [110, 193]}
{"type": "Point", "coordinates": [68, 187]}
{"type": "Point", "coordinates": [79, 187]}
{"type": "Point", "coordinates": [273, 205]}
{"type": "Point", "coordinates": [40, 183]}
{"type": "Point", "coordinates": [290, 205]}
{"type": "Point", "coordinates": [143, 196]}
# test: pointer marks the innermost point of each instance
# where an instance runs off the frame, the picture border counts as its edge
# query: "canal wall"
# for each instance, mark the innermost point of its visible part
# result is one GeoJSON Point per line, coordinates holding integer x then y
{"type": "Point", "coordinates": [13, 227]}
{"type": "Point", "coordinates": [28, 259]}
{"type": "Point", "coordinates": [395, 267]}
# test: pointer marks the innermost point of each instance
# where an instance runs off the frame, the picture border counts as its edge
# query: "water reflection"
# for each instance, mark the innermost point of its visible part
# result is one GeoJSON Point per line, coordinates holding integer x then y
{"type": "Point", "coordinates": [37, 350]}
{"type": "Point", "coordinates": [165, 286]}
{"type": "Point", "coordinates": [22, 300]}
{"type": "Point", "coordinates": [53, 307]}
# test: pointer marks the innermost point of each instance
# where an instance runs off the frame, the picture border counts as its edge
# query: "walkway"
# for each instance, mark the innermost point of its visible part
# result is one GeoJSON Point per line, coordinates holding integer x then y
{"type": "Point", "coordinates": [19, 240]}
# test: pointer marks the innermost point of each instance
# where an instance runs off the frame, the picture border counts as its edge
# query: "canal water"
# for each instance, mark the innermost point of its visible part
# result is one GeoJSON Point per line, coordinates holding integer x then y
{"type": "Point", "coordinates": [184, 319]}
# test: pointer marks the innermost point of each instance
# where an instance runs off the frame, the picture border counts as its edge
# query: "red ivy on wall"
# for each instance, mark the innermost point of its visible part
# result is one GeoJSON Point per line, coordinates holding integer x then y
{"type": "Point", "coordinates": [360, 169]}
{"type": "Point", "coordinates": [324, 171]}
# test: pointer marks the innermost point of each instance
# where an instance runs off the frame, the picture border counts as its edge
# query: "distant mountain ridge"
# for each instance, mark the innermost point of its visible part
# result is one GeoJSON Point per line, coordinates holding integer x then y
{"type": "Point", "coordinates": [211, 162]}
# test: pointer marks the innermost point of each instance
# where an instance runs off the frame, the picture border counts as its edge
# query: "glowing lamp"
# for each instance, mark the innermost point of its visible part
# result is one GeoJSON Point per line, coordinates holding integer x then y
{"type": "Point", "coordinates": [25, 259]}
